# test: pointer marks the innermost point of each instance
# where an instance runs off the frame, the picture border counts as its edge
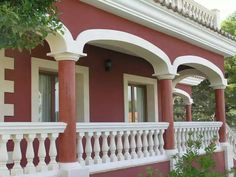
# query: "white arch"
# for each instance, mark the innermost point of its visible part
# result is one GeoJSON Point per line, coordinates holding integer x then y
{"type": "Point", "coordinates": [213, 73]}
{"type": "Point", "coordinates": [183, 94]}
{"type": "Point", "coordinates": [129, 42]}
{"type": "Point", "coordinates": [186, 73]}
{"type": "Point", "coordinates": [62, 42]}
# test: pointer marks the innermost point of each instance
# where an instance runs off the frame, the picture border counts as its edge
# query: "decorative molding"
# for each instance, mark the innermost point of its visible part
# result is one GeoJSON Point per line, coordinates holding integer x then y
{"type": "Point", "coordinates": [82, 76]}
{"type": "Point", "coordinates": [157, 17]}
{"type": "Point", "coordinates": [192, 81]}
{"type": "Point", "coordinates": [183, 94]}
{"type": "Point", "coordinates": [134, 44]}
{"type": "Point", "coordinates": [61, 56]}
{"type": "Point", "coordinates": [152, 96]}
{"type": "Point", "coordinates": [6, 86]}
{"type": "Point", "coordinates": [165, 76]}
{"type": "Point", "coordinates": [207, 68]}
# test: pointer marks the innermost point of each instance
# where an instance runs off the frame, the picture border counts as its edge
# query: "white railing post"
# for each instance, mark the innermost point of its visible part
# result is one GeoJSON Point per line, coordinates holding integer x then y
{"type": "Point", "coordinates": [113, 156]}
{"type": "Point", "coordinates": [139, 144]}
{"type": "Point", "coordinates": [133, 145]}
{"type": "Point", "coordinates": [97, 149]}
{"type": "Point", "coordinates": [156, 143]}
{"type": "Point", "coordinates": [120, 155]}
{"type": "Point", "coordinates": [17, 169]}
{"type": "Point", "coordinates": [53, 165]}
{"type": "Point", "coordinates": [42, 166]}
{"type": "Point", "coordinates": [105, 147]}
{"type": "Point", "coordinates": [80, 148]}
{"type": "Point", "coordinates": [88, 148]}
{"type": "Point", "coordinates": [145, 144]}
{"type": "Point", "coordinates": [126, 145]}
{"type": "Point", "coordinates": [4, 155]}
{"type": "Point", "coordinates": [151, 143]}
{"type": "Point", "coordinates": [30, 168]}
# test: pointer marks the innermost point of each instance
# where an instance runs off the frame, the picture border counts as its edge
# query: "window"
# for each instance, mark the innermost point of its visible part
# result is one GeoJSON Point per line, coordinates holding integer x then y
{"type": "Point", "coordinates": [137, 103]}
{"type": "Point", "coordinates": [48, 97]}
{"type": "Point", "coordinates": [45, 85]}
{"type": "Point", "coordinates": [140, 99]}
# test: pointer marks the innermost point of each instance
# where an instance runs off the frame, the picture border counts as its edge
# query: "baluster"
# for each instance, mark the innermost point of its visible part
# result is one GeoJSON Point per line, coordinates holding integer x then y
{"type": "Point", "coordinates": [139, 144]}
{"type": "Point", "coordinates": [4, 155]}
{"type": "Point", "coordinates": [161, 140]}
{"type": "Point", "coordinates": [97, 149]}
{"type": "Point", "coordinates": [120, 155]}
{"type": "Point", "coordinates": [206, 137]}
{"type": "Point", "coordinates": [183, 137]}
{"type": "Point", "coordinates": [17, 156]}
{"type": "Point", "coordinates": [105, 148]}
{"type": "Point", "coordinates": [30, 168]}
{"type": "Point", "coordinates": [126, 145]}
{"type": "Point", "coordinates": [145, 144]}
{"type": "Point", "coordinates": [156, 143]}
{"type": "Point", "coordinates": [133, 145]}
{"type": "Point", "coordinates": [217, 135]}
{"type": "Point", "coordinates": [80, 148]}
{"type": "Point", "coordinates": [151, 143]}
{"type": "Point", "coordinates": [179, 140]}
{"type": "Point", "coordinates": [53, 165]}
{"type": "Point", "coordinates": [88, 148]}
{"type": "Point", "coordinates": [41, 153]}
{"type": "Point", "coordinates": [113, 146]}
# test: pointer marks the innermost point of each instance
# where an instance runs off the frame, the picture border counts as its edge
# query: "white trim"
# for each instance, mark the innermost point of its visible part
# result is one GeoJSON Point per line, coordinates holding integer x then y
{"type": "Point", "coordinates": [209, 69]}
{"type": "Point", "coordinates": [82, 76]}
{"type": "Point", "coordinates": [152, 96]}
{"type": "Point", "coordinates": [157, 17]}
{"type": "Point", "coordinates": [6, 86]}
{"type": "Point", "coordinates": [187, 77]}
{"type": "Point", "coordinates": [183, 94]}
{"type": "Point", "coordinates": [141, 47]}
{"type": "Point", "coordinates": [192, 81]}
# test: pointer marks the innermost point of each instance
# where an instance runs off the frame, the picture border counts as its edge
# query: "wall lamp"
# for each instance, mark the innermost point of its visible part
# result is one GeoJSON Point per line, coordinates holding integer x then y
{"type": "Point", "coordinates": [108, 64]}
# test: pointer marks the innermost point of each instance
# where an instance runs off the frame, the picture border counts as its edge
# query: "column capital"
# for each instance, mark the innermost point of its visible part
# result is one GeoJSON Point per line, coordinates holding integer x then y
{"type": "Point", "coordinates": [62, 56]}
{"type": "Point", "coordinates": [165, 76]}
{"type": "Point", "coordinates": [219, 86]}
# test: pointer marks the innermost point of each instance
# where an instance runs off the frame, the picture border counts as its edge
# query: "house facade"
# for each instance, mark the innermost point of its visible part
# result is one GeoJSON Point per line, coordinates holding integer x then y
{"type": "Point", "coordinates": [97, 99]}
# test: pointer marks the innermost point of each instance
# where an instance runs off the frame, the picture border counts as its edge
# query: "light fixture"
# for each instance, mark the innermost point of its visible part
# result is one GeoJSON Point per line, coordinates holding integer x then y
{"type": "Point", "coordinates": [108, 64]}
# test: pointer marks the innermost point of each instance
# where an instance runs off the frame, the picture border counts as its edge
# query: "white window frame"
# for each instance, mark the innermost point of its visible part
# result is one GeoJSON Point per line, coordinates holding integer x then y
{"type": "Point", "coordinates": [82, 90]}
{"type": "Point", "coordinates": [152, 96]}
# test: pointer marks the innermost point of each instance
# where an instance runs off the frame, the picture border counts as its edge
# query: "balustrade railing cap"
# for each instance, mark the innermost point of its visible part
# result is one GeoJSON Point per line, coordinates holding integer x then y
{"type": "Point", "coordinates": [31, 127]}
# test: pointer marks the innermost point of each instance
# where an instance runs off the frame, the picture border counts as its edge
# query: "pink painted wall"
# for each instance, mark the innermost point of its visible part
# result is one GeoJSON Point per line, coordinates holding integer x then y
{"type": "Point", "coordinates": [164, 168]}
{"type": "Point", "coordinates": [89, 17]}
{"type": "Point", "coordinates": [106, 87]}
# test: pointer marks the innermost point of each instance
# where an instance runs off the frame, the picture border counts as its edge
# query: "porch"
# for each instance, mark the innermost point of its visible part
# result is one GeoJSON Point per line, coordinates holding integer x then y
{"type": "Point", "coordinates": [30, 149]}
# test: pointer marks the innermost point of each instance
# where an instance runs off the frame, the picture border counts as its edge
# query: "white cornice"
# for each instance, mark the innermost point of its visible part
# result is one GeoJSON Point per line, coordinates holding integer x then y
{"type": "Point", "coordinates": [152, 15]}
{"type": "Point", "coordinates": [192, 81]}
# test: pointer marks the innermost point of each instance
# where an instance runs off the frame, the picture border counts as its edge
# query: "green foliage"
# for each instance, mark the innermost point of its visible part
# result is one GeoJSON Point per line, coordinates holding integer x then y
{"type": "Point", "coordinates": [229, 25]}
{"type": "Point", "coordinates": [192, 164]}
{"type": "Point", "coordinates": [25, 23]}
{"type": "Point", "coordinates": [204, 102]}
{"type": "Point", "coordinates": [179, 109]}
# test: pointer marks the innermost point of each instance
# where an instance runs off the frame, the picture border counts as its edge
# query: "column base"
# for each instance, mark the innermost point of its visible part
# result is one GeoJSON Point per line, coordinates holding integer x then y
{"type": "Point", "coordinates": [170, 153]}
{"type": "Point", "coordinates": [72, 170]}
{"type": "Point", "coordinates": [228, 152]}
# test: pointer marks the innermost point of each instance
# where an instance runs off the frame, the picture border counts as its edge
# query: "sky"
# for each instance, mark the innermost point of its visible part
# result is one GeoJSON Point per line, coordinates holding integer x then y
{"type": "Point", "coordinates": [226, 7]}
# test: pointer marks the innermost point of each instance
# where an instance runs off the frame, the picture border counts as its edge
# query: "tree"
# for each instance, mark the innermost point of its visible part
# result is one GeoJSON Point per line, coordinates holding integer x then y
{"type": "Point", "coordinates": [204, 102]}
{"type": "Point", "coordinates": [229, 25]}
{"type": "Point", "coordinates": [26, 23]}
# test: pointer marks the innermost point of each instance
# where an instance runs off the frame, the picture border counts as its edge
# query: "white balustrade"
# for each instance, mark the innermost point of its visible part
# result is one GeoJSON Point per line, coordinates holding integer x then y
{"type": "Point", "coordinates": [193, 10]}
{"type": "Point", "coordinates": [18, 132]}
{"type": "Point", "coordinates": [231, 139]}
{"type": "Point", "coordinates": [112, 142]}
{"type": "Point", "coordinates": [206, 130]}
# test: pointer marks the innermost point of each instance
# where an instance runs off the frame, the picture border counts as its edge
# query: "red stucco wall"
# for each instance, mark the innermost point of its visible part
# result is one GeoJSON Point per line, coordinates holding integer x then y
{"type": "Point", "coordinates": [186, 88]}
{"type": "Point", "coordinates": [89, 17]}
{"type": "Point", "coordinates": [163, 167]}
{"type": "Point", "coordinates": [106, 87]}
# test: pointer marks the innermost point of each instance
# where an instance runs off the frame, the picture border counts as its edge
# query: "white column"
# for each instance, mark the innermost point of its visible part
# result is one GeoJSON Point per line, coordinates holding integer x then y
{"type": "Point", "coordinates": [30, 168]}
{"type": "Point", "coordinates": [53, 165]}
